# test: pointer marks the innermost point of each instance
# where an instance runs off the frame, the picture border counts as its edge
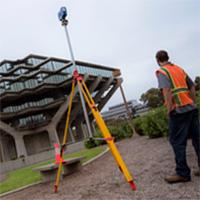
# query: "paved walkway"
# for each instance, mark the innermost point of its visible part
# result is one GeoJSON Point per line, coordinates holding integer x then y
{"type": "Point", "coordinates": [149, 161]}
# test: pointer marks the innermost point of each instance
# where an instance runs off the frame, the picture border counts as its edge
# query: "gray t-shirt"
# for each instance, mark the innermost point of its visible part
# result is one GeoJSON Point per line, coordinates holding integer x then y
{"type": "Point", "coordinates": [164, 82]}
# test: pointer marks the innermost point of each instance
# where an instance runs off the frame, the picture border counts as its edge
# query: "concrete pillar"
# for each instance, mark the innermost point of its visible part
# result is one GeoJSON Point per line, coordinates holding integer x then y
{"type": "Point", "coordinates": [20, 146]}
{"type": "Point", "coordinates": [85, 112]}
{"type": "Point", "coordinates": [94, 128]}
{"type": "Point", "coordinates": [2, 158]}
{"type": "Point", "coordinates": [103, 89]}
{"type": "Point", "coordinates": [79, 132]}
{"type": "Point", "coordinates": [127, 109]}
{"type": "Point", "coordinates": [71, 135]}
{"type": "Point", "coordinates": [105, 99]}
{"type": "Point", "coordinates": [84, 130]}
{"type": "Point", "coordinates": [53, 135]}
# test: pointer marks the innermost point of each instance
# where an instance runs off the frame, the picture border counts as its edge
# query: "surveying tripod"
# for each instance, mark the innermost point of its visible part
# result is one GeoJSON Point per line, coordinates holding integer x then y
{"type": "Point", "coordinates": [85, 94]}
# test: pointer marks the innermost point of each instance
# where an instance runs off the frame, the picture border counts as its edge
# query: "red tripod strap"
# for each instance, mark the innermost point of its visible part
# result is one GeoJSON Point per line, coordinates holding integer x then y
{"type": "Point", "coordinates": [109, 138]}
{"type": "Point", "coordinates": [77, 76]}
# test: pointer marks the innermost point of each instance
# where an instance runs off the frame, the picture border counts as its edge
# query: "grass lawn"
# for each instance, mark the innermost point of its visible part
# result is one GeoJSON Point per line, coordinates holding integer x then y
{"type": "Point", "coordinates": [25, 176]}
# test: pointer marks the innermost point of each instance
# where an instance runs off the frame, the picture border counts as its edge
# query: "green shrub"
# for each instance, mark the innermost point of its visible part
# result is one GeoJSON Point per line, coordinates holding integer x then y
{"type": "Point", "coordinates": [90, 143]}
{"type": "Point", "coordinates": [117, 132]}
{"type": "Point", "coordinates": [153, 124]}
{"type": "Point", "coordinates": [138, 125]}
{"type": "Point", "coordinates": [99, 135]}
{"type": "Point", "coordinates": [127, 129]}
{"type": "Point", "coordinates": [118, 129]}
{"type": "Point", "coordinates": [156, 123]}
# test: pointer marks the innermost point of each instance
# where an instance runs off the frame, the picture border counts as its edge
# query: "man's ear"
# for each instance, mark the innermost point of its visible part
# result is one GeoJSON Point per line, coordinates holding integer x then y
{"type": "Point", "coordinates": [158, 63]}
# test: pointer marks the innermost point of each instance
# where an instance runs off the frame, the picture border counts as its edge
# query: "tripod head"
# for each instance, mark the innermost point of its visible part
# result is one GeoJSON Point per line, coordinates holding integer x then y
{"type": "Point", "coordinates": [62, 14]}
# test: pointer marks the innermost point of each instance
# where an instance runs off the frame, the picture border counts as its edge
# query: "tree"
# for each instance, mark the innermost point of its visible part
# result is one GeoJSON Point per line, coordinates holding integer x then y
{"type": "Point", "coordinates": [152, 97]}
{"type": "Point", "coordinates": [197, 83]}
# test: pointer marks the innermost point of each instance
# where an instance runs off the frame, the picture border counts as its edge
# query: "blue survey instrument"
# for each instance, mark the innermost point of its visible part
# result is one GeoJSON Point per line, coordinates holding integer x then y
{"type": "Point", "coordinates": [62, 14]}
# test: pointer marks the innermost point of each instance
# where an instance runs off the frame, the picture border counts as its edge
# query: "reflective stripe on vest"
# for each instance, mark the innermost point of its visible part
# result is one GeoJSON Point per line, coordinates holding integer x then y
{"type": "Point", "coordinates": [180, 89]}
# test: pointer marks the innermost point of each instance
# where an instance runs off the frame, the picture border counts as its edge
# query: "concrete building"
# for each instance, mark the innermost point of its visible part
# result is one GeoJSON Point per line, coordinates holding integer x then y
{"type": "Point", "coordinates": [140, 109]}
{"type": "Point", "coordinates": [34, 97]}
{"type": "Point", "coordinates": [119, 111]}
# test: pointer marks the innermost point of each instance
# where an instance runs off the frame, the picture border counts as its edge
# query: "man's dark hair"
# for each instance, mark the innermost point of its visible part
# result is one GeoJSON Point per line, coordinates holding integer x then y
{"type": "Point", "coordinates": [162, 56]}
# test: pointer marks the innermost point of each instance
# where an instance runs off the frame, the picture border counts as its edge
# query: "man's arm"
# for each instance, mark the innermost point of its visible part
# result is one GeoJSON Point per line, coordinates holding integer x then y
{"type": "Point", "coordinates": [193, 93]}
{"type": "Point", "coordinates": [167, 93]}
{"type": "Point", "coordinates": [165, 85]}
{"type": "Point", "coordinates": [191, 87]}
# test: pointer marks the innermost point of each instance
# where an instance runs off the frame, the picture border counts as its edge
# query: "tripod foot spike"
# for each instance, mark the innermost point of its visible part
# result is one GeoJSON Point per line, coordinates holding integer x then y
{"type": "Point", "coordinates": [132, 184]}
{"type": "Point", "coordinates": [55, 188]}
{"type": "Point", "coordinates": [120, 169]}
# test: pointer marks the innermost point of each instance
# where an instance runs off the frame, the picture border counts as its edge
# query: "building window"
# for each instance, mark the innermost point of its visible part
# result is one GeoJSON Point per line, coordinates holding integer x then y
{"type": "Point", "coordinates": [94, 71]}
{"type": "Point", "coordinates": [2, 85]}
{"type": "Point", "coordinates": [7, 85]}
{"type": "Point", "coordinates": [31, 120]}
{"type": "Point", "coordinates": [40, 77]}
{"type": "Point", "coordinates": [35, 61]}
{"type": "Point", "coordinates": [20, 71]}
{"type": "Point", "coordinates": [3, 68]}
{"type": "Point", "coordinates": [58, 65]}
{"type": "Point", "coordinates": [8, 66]}
{"type": "Point", "coordinates": [49, 66]}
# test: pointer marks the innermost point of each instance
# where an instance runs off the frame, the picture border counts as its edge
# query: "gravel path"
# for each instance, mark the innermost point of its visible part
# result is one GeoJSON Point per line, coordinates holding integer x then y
{"type": "Point", "coordinates": [149, 161]}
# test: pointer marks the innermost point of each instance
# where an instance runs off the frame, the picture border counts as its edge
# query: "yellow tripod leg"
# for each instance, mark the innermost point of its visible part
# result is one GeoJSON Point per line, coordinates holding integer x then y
{"type": "Point", "coordinates": [102, 126]}
{"type": "Point", "coordinates": [64, 139]}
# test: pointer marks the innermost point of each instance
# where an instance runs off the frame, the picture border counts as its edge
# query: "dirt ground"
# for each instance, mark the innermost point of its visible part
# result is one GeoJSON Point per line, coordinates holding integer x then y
{"type": "Point", "coordinates": [148, 160]}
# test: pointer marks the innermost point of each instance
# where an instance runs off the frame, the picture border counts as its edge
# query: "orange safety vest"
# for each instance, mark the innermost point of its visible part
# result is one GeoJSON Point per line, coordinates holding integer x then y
{"type": "Point", "coordinates": [180, 91]}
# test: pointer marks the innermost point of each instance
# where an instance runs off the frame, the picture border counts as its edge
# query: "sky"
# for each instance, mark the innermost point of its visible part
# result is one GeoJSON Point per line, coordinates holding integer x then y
{"type": "Point", "coordinates": [125, 34]}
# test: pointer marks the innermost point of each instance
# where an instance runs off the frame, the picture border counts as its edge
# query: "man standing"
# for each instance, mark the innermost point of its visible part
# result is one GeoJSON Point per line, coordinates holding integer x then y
{"type": "Point", "coordinates": [180, 97]}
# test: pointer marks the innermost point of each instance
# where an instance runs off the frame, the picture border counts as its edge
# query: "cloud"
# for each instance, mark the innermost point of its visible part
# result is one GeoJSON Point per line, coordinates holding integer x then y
{"type": "Point", "coordinates": [123, 33]}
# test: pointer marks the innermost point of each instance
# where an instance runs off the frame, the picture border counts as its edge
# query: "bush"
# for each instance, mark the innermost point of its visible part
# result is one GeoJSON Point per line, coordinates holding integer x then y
{"type": "Point", "coordinates": [99, 135]}
{"type": "Point", "coordinates": [126, 127]}
{"type": "Point", "coordinates": [157, 123]}
{"type": "Point", "coordinates": [117, 132]}
{"type": "Point", "coordinates": [153, 124]}
{"type": "Point", "coordinates": [90, 143]}
{"type": "Point", "coordinates": [138, 125]}
{"type": "Point", "coordinates": [118, 129]}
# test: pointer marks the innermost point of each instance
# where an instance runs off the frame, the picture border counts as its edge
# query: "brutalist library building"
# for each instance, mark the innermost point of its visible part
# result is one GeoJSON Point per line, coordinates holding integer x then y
{"type": "Point", "coordinates": [34, 97]}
